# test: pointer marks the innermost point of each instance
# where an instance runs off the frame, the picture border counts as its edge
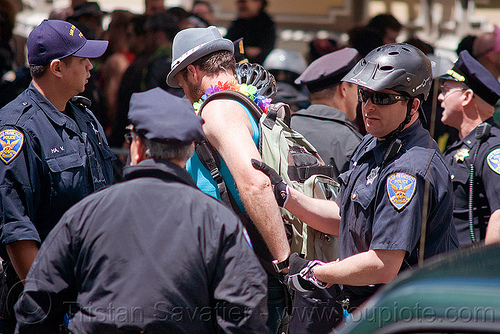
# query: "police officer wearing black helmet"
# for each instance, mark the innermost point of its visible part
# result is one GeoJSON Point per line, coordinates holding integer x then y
{"type": "Point", "coordinates": [468, 95]}
{"type": "Point", "coordinates": [379, 211]}
{"type": "Point", "coordinates": [53, 151]}
{"type": "Point", "coordinates": [152, 254]}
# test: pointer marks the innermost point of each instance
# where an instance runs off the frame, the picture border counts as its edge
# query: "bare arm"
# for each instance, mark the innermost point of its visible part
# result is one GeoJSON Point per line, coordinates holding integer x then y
{"type": "Point", "coordinates": [228, 129]}
{"type": "Point", "coordinates": [320, 214]}
{"type": "Point", "coordinates": [371, 267]}
{"type": "Point", "coordinates": [493, 231]}
{"type": "Point", "coordinates": [113, 70]}
{"type": "Point", "coordinates": [22, 254]}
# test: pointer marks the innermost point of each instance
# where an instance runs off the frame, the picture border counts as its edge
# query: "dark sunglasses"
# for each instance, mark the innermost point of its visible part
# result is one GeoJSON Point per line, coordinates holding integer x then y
{"type": "Point", "coordinates": [379, 98]}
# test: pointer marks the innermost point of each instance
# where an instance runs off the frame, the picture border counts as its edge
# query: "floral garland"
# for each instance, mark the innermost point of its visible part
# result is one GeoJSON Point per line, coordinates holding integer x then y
{"type": "Point", "coordinates": [249, 90]}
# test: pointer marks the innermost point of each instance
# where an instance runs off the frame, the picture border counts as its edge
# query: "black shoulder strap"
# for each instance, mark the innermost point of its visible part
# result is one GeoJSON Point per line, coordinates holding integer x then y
{"type": "Point", "coordinates": [210, 160]}
{"type": "Point", "coordinates": [347, 124]}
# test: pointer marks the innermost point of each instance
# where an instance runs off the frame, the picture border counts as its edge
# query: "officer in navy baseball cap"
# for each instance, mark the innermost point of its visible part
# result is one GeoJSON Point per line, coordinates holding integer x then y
{"type": "Point", "coordinates": [162, 117]}
{"type": "Point", "coordinates": [55, 39]}
{"type": "Point", "coordinates": [468, 95]}
{"type": "Point", "coordinates": [71, 157]}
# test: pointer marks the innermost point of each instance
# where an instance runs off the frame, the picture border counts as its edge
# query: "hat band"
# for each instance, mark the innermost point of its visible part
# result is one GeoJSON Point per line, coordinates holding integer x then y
{"type": "Point", "coordinates": [455, 75]}
{"type": "Point", "coordinates": [186, 55]}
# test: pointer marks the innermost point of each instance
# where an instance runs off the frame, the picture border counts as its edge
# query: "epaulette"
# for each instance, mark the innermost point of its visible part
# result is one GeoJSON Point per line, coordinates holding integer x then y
{"type": "Point", "coordinates": [12, 112]}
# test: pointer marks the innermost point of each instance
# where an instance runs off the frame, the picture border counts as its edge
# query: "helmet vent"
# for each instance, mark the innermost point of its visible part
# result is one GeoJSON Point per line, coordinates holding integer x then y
{"type": "Point", "coordinates": [386, 68]}
{"type": "Point", "coordinates": [393, 53]}
{"type": "Point", "coordinates": [406, 49]}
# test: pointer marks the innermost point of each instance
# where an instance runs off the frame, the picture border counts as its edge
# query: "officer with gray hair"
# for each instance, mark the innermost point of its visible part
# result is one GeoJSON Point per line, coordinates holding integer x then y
{"type": "Point", "coordinates": [152, 254]}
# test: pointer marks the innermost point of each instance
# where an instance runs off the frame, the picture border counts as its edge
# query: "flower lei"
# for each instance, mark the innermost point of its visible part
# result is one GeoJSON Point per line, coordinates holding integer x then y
{"type": "Point", "coordinates": [249, 90]}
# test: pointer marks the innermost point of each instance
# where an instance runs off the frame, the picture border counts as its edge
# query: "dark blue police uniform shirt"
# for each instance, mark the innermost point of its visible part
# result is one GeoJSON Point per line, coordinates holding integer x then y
{"type": "Point", "coordinates": [152, 253]}
{"type": "Point", "coordinates": [459, 157]}
{"type": "Point", "coordinates": [382, 206]}
{"type": "Point", "coordinates": [47, 164]}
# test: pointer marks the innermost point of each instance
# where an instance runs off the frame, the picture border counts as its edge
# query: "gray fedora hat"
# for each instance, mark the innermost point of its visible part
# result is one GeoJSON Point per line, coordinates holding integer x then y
{"type": "Point", "coordinates": [193, 43]}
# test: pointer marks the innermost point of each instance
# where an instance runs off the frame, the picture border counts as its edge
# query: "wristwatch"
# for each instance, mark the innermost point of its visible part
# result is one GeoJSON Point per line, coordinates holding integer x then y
{"type": "Point", "coordinates": [279, 266]}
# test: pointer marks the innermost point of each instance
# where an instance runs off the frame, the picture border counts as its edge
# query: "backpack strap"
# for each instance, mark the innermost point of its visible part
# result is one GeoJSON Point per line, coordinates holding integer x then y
{"type": "Point", "coordinates": [208, 155]}
{"type": "Point", "coordinates": [210, 161]}
{"type": "Point", "coordinates": [234, 95]}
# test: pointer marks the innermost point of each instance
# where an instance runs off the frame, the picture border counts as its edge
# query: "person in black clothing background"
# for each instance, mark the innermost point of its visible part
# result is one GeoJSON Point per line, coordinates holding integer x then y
{"type": "Point", "coordinates": [256, 27]}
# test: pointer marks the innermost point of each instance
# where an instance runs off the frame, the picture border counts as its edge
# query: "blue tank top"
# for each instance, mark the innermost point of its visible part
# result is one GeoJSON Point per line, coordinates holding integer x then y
{"type": "Point", "coordinates": [203, 178]}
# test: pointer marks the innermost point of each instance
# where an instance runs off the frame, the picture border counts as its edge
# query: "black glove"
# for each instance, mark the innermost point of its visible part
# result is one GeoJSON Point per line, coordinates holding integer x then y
{"type": "Point", "coordinates": [300, 277]}
{"type": "Point", "coordinates": [280, 188]}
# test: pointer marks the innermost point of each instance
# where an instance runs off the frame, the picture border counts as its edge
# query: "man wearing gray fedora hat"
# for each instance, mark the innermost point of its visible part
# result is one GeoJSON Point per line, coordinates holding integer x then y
{"type": "Point", "coordinates": [203, 63]}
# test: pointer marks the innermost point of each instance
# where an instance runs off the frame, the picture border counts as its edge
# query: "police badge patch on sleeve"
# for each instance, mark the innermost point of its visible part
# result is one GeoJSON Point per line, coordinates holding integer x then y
{"type": "Point", "coordinates": [11, 142]}
{"type": "Point", "coordinates": [494, 160]}
{"type": "Point", "coordinates": [400, 189]}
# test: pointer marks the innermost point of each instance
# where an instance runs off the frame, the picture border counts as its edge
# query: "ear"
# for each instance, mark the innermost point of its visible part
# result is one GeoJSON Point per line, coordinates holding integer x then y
{"type": "Point", "coordinates": [137, 151]}
{"type": "Point", "coordinates": [193, 72]}
{"type": "Point", "coordinates": [342, 88]}
{"type": "Point", "coordinates": [56, 67]}
{"type": "Point", "coordinates": [468, 95]}
{"type": "Point", "coordinates": [415, 105]}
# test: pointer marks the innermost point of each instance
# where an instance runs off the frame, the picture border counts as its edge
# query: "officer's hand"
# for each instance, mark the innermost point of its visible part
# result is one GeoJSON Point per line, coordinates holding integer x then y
{"type": "Point", "coordinates": [300, 277]}
{"type": "Point", "coordinates": [280, 188]}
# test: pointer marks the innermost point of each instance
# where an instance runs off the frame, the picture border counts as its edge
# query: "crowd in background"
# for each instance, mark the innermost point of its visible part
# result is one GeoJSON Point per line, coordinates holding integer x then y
{"type": "Point", "coordinates": [139, 58]}
{"type": "Point", "coordinates": [139, 54]}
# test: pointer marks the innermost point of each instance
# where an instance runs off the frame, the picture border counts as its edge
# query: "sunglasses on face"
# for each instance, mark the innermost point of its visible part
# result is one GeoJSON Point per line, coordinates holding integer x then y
{"type": "Point", "coordinates": [379, 98]}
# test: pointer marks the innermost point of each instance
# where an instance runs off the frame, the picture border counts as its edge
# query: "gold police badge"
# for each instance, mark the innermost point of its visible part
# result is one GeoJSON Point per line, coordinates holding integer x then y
{"type": "Point", "coordinates": [11, 142]}
{"type": "Point", "coordinates": [461, 154]}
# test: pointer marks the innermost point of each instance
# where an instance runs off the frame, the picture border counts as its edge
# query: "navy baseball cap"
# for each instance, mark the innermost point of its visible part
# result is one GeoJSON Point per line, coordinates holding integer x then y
{"type": "Point", "coordinates": [55, 39]}
{"type": "Point", "coordinates": [470, 72]}
{"type": "Point", "coordinates": [328, 70]}
{"type": "Point", "coordinates": [161, 116]}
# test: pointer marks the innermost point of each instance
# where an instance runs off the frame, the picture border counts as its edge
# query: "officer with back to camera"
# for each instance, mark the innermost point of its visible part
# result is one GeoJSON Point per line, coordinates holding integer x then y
{"type": "Point", "coordinates": [379, 212]}
{"type": "Point", "coordinates": [152, 254]}
{"type": "Point", "coordinates": [53, 151]}
{"type": "Point", "coordinates": [468, 95]}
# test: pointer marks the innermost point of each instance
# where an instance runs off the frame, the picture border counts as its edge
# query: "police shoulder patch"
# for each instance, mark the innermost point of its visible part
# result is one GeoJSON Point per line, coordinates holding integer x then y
{"type": "Point", "coordinates": [494, 160]}
{"type": "Point", "coordinates": [400, 189]}
{"type": "Point", "coordinates": [11, 142]}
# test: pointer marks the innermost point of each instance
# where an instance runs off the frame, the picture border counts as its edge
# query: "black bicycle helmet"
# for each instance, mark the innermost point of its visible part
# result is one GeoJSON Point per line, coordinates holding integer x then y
{"type": "Point", "coordinates": [258, 76]}
{"type": "Point", "coordinates": [399, 67]}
